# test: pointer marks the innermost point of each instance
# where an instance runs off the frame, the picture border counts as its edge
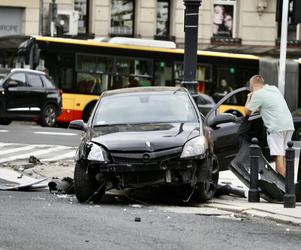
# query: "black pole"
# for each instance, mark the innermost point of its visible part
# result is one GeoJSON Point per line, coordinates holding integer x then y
{"type": "Point", "coordinates": [254, 160]}
{"type": "Point", "coordinates": [191, 44]}
{"type": "Point", "coordinates": [290, 195]}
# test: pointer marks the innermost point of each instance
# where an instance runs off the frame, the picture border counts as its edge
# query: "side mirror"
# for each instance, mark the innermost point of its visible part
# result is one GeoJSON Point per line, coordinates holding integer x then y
{"type": "Point", "coordinates": [78, 125]}
{"type": "Point", "coordinates": [223, 118]}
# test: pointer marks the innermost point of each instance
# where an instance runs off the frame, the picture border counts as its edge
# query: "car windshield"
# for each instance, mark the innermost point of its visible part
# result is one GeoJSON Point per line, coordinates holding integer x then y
{"type": "Point", "coordinates": [145, 108]}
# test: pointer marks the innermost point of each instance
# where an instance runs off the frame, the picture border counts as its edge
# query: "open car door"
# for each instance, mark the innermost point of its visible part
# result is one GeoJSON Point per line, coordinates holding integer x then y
{"type": "Point", "coordinates": [232, 137]}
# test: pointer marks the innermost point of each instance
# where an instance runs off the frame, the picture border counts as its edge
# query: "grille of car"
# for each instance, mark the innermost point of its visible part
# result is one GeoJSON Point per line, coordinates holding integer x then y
{"type": "Point", "coordinates": [145, 157]}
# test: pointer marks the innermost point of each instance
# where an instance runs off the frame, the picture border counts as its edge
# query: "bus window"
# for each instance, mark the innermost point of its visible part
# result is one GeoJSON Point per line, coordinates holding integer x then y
{"type": "Point", "coordinates": [93, 73]}
{"type": "Point", "coordinates": [203, 75]}
{"type": "Point", "coordinates": [133, 73]}
{"type": "Point", "coordinates": [163, 73]}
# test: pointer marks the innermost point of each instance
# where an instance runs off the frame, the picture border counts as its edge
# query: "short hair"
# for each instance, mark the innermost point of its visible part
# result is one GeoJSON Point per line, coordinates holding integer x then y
{"type": "Point", "coordinates": [257, 79]}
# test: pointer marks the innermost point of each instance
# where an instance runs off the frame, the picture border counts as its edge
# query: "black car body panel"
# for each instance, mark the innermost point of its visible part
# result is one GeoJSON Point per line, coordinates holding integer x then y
{"type": "Point", "coordinates": [135, 137]}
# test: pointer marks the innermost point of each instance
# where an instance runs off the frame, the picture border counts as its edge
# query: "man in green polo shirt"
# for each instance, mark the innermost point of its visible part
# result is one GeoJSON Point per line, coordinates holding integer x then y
{"type": "Point", "coordinates": [277, 118]}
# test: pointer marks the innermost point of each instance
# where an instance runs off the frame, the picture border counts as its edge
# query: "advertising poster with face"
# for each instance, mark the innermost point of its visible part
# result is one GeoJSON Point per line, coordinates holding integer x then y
{"type": "Point", "coordinates": [223, 20]}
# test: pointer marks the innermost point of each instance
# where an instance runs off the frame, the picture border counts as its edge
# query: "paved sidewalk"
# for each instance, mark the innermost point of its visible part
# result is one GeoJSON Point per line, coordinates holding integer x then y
{"type": "Point", "coordinates": [263, 209]}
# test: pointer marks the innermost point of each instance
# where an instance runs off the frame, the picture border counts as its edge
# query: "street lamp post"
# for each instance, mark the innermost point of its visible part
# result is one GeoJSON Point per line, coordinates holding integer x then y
{"type": "Point", "coordinates": [191, 43]}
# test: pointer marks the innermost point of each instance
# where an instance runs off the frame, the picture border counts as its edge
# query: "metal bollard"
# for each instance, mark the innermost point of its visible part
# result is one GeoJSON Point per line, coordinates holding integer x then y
{"type": "Point", "coordinates": [254, 160]}
{"type": "Point", "coordinates": [290, 197]}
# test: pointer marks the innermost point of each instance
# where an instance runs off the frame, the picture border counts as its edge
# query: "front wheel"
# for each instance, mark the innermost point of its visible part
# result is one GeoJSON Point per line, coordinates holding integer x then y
{"type": "Point", "coordinates": [206, 190]}
{"type": "Point", "coordinates": [86, 187]}
{"type": "Point", "coordinates": [48, 118]}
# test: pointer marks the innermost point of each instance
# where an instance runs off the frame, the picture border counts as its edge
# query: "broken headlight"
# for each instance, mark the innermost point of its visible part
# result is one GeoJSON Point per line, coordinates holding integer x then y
{"type": "Point", "coordinates": [195, 147]}
{"type": "Point", "coordinates": [96, 153]}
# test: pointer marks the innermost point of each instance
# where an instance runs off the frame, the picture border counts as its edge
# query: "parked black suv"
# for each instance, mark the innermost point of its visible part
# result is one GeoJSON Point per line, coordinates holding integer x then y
{"type": "Point", "coordinates": [29, 95]}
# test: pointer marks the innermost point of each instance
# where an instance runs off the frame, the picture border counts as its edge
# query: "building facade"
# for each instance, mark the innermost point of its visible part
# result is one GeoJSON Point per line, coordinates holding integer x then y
{"type": "Point", "coordinates": [226, 25]}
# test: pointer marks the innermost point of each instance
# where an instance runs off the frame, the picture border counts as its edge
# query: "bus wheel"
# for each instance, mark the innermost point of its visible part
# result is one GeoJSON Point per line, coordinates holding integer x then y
{"type": "Point", "coordinates": [4, 121]}
{"type": "Point", "coordinates": [87, 111]}
{"type": "Point", "coordinates": [48, 118]}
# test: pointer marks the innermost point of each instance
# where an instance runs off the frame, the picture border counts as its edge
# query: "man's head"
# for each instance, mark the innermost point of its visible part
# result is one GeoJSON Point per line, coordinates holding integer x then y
{"type": "Point", "coordinates": [256, 82]}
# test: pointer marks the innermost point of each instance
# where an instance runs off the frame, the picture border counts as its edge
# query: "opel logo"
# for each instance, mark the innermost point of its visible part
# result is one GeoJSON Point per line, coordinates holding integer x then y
{"type": "Point", "coordinates": [146, 157]}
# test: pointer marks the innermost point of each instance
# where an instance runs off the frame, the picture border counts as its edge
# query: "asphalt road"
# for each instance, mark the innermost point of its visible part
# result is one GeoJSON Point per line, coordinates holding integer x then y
{"type": "Point", "coordinates": [40, 220]}
{"type": "Point", "coordinates": [31, 133]}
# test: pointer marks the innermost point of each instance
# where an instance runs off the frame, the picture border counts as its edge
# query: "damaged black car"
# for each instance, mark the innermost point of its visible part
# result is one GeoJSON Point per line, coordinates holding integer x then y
{"type": "Point", "coordinates": [139, 137]}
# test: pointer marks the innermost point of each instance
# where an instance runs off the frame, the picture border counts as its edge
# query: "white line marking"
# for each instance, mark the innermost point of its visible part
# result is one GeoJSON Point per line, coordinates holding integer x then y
{"type": "Point", "coordinates": [60, 157]}
{"type": "Point", "coordinates": [54, 133]}
{"type": "Point", "coordinates": [36, 153]}
{"type": "Point", "coordinates": [15, 150]}
{"type": "Point", "coordinates": [3, 131]}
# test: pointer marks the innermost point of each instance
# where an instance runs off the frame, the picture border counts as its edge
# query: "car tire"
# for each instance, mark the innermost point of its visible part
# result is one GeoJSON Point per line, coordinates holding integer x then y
{"type": "Point", "coordinates": [86, 187]}
{"type": "Point", "coordinates": [206, 190]}
{"type": "Point", "coordinates": [49, 114]}
{"type": "Point", "coordinates": [4, 121]}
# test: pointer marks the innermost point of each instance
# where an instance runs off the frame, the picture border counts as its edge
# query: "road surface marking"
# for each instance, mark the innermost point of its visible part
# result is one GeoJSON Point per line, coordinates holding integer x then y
{"type": "Point", "coordinates": [3, 131]}
{"type": "Point", "coordinates": [54, 133]}
{"type": "Point", "coordinates": [60, 157]}
{"type": "Point", "coordinates": [15, 150]}
{"type": "Point", "coordinates": [35, 153]}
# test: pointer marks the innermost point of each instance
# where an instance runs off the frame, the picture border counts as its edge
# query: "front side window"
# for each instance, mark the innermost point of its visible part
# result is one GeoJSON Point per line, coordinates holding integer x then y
{"type": "Point", "coordinates": [223, 18]}
{"type": "Point", "coordinates": [20, 78]}
{"type": "Point", "coordinates": [163, 7]}
{"type": "Point", "coordinates": [145, 108]}
{"type": "Point", "coordinates": [122, 17]}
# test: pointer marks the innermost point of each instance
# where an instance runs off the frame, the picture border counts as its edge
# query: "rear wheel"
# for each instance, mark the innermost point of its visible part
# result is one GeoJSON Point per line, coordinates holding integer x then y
{"type": "Point", "coordinates": [206, 190]}
{"type": "Point", "coordinates": [48, 118]}
{"type": "Point", "coordinates": [4, 121]}
{"type": "Point", "coordinates": [86, 187]}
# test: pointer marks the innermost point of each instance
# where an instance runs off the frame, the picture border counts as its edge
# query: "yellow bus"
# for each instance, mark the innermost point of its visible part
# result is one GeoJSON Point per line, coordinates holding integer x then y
{"type": "Point", "coordinates": [83, 69]}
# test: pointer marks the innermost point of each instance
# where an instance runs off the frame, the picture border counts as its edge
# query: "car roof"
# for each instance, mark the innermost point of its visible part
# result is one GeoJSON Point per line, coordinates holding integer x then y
{"type": "Point", "coordinates": [27, 70]}
{"type": "Point", "coordinates": [152, 89]}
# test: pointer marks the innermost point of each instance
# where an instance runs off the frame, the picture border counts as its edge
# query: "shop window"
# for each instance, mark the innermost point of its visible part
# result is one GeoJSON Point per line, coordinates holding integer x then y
{"type": "Point", "coordinates": [82, 6]}
{"type": "Point", "coordinates": [224, 14]}
{"type": "Point", "coordinates": [163, 16]}
{"type": "Point", "coordinates": [122, 17]}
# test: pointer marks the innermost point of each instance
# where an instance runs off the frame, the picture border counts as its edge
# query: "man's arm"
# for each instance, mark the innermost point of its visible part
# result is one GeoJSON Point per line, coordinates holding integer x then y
{"type": "Point", "coordinates": [248, 112]}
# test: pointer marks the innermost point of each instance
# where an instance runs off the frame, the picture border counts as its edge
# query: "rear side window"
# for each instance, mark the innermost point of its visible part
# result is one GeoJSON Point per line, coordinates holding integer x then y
{"type": "Point", "coordinates": [47, 82]}
{"type": "Point", "coordinates": [34, 80]}
{"type": "Point", "coordinates": [19, 78]}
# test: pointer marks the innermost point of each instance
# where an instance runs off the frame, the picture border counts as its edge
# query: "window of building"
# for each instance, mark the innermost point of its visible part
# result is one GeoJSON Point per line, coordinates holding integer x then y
{"type": "Point", "coordinates": [122, 17]}
{"type": "Point", "coordinates": [223, 23]}
{"type": "Point", "coordinates": [82, 6]}
{"type": "Point", "coordinates": [163, 16]}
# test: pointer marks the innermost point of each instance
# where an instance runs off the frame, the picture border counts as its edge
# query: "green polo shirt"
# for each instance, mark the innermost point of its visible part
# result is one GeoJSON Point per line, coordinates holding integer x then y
{"type": "Point", "coordinates": [272, 107]}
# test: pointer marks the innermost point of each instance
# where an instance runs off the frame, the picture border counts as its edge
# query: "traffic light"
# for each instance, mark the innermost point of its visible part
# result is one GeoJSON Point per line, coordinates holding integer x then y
{"type": "Point", "coordinates": [294, 11]}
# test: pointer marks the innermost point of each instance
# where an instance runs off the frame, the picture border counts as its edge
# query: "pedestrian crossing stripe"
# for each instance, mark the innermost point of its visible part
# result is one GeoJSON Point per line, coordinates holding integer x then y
{"type": "Point", "coordinates": [45, 153]}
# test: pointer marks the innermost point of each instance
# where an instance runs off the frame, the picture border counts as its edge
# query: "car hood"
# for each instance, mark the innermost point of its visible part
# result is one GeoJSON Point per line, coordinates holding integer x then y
{"type": "Point", "coordinates": [142, 137]}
